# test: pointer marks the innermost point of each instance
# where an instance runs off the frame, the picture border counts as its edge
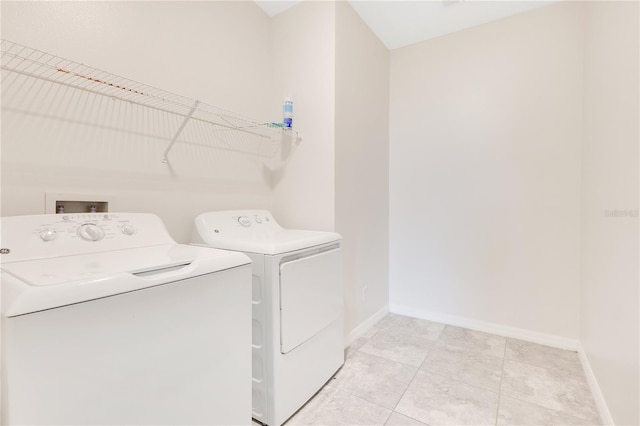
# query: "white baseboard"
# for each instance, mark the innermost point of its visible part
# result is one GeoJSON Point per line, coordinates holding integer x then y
{"type": "Point", "coordinates": [365, 326]}
{"type": "Point", "coordinates": [603, 410]}
{"type": "Point", "coordinates": [489, 327]}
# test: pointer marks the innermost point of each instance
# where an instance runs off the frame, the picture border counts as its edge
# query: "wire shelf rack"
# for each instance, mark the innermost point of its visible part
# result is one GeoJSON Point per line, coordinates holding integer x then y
{"type": "Point", "coordinates": [34, 63]}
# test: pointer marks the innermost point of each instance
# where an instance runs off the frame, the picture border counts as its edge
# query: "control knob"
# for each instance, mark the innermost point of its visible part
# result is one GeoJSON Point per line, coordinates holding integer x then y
{"type": "Point", "coordinates": [48, 235]}
{"type": "Point", "coordinates": [128, 229]}
{"type": "Point", "coordinates": [244, 221]}
{"type": "Point", "coordinates": [91, 232]}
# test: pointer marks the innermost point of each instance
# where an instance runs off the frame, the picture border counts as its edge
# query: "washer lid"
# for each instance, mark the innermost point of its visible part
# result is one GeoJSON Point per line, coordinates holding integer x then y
{"type": "Point", "coordinates": [254, 231]}
{"type": "Point", "coordinates": [36, 285]}
{"type": "Point", "coordinates": [284, 241]}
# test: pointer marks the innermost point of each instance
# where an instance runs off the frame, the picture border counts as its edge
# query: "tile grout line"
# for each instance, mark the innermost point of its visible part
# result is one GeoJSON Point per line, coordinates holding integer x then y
{"type": "Point", "coordinates": [504, 360]}
{"type": "Point", "coordinates": [557, 412]}
{"type": "Point", "coordinates": [388, 417]}
{"type": "Point", "coordinates": [393, 360]}
{"type": "Point", "coordinates": [500, 395]}
{"type": "Point", "coordinates": [535, 365]}
{"type": "Point", "coordinates": [546, 369]}
{"type": "Point", "coordinates": [446, 347]}
{"type": "Point", "coordinates": [412, 380]}
{"type": "Point", "coordinates": [426, 370]}
{"type": "Point", "coordinates": [366, 400]}
{"type": "Point", "coordinates": [407, 388]}
{"type": "Point", "coordinates": [460, 381]}
{"type": "Point", "coordinates": [356, 396]}
{"type": "Point", "coordinates": [392, 410]}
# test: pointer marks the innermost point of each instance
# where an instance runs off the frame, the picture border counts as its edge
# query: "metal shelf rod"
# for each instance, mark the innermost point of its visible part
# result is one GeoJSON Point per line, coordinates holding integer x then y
{"type": "Point", "coordinates": [180, 129]}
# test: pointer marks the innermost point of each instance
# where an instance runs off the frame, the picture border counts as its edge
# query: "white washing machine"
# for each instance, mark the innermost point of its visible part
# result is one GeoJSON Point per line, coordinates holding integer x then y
{"type": "Point", "coordinates": [106, 320]}
{"type": "Point", "coordinates": [298, 331]}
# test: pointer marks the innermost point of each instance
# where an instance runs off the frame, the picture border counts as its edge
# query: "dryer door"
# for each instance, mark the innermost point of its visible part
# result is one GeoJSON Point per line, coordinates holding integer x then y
{"type": "Point", "coordinates": [311, 297]}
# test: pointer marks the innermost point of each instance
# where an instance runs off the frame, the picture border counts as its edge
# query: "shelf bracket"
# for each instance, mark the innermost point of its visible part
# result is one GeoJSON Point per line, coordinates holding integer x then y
{"type": "Point", "coordinates": [180, 129]}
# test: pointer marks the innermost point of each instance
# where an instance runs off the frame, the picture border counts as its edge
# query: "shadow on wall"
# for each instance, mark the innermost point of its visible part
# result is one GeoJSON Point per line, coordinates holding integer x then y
{"type": "Point", "coordinates": [274, 168]}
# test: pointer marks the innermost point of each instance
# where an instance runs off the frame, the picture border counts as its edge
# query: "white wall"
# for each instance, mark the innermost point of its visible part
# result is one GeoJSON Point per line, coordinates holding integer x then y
{"type": "Point", "coordinates": [485, 174]}
{"type": "Point", "coordinates": [336, 71]}
{"type": "Point", "coordinates": [303, 60]}
{"type": "Point", "coordinates": [229, 54]}
{"type": "Point", "coordinates": [362, 166]}
{"type": "Point", "coordinates": [217, 52]}
{"type": "Point", "coordinates": [609, 305]}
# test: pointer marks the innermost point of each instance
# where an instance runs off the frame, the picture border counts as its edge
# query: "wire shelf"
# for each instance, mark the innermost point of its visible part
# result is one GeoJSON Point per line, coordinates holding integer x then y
{"type": "Point", "coordinates": [34, 63]}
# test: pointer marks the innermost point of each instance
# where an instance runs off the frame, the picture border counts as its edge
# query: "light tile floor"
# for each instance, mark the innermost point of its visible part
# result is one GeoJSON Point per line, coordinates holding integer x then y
{"type": "Point", "coordinates": [407, 371]}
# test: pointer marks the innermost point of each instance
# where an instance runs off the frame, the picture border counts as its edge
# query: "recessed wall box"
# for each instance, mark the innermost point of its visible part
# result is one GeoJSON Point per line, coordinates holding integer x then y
{"type": "Point", "coordinates": [76, 203]}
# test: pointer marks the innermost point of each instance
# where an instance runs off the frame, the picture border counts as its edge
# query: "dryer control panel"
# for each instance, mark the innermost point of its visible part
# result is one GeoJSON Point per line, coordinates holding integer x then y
{"type": "Point", "coordinates": [247, 219]}
{"type": "Point", "coordinates": [253, 231]}
{"type": "Point", "coordinates": [242, 223]}
{"type": "Point", "coordinates": [53, 235]}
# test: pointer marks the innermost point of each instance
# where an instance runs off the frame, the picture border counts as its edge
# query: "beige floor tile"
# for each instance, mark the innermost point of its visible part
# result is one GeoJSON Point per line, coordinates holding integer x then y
{"type": "Point", "coordinates": [473, 341]}
{"type": "Point", "coordinates": [402, 324]}
{"type": "Point", "coordinates": [512, 412]}
{"type": "Point", "coordinates": [332, 406]}
{"type": "Point", "coordinates": [437, 375]}
{"type": "Point", "coordinates": [397, 419]}
{"type": "Point", "coordinates": [468, 366]}
{"type": "Point", "coordinates": [557, 389]}
{"type": "Point", "coordinates": [375, 379]}
{"type": "Point", "coordinates": [542, 356]}
{"type": "Point", "coordinates": [352, 348]}
{"type": "Point", "coordinates": [408, 349]}
{"type": "Point", "coordinates": [438, 400]}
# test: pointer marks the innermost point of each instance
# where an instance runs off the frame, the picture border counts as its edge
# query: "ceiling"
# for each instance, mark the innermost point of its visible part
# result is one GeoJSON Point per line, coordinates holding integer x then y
{"type": "Point", "coordinates": [399, 23]}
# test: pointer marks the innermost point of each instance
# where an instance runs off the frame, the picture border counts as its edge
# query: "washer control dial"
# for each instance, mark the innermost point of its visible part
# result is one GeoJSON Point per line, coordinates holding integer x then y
{"type": "Point", "coordinates": [48, 235]}
{"type": "Point", "coordinates": [244, 221]}
{"type": "Point", "coordinates": [128, 229]}
{"type": "Point", "coordinates": [91, 232]}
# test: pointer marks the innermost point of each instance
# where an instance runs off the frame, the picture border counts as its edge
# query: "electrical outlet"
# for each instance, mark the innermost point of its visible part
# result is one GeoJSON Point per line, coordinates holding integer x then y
{"type": "Point", "coordinates": [364, 292]}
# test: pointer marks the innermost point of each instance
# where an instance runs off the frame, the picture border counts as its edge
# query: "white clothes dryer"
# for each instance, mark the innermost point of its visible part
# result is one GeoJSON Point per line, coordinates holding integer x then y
{"type": "Point", "coordinates": [106, 320]}
{"type": "Point", "coordinates": [298, 331]}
